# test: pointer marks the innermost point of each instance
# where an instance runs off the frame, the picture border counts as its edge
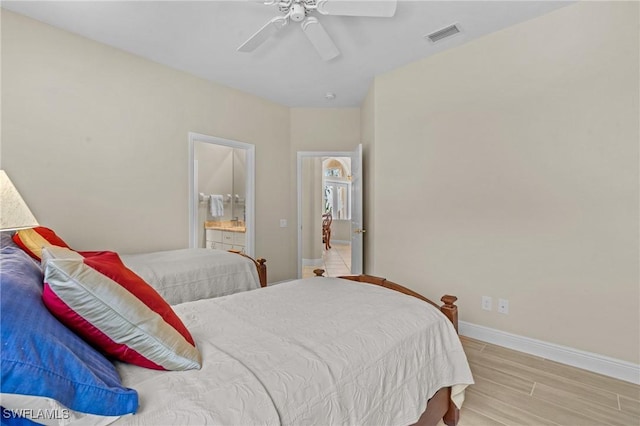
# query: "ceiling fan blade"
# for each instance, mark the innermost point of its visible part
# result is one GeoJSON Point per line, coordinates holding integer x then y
{"type": "Point", "coordinates": [372, 8]}
{"type": "Point", "coordinates": [319, 38]}
{"type": "Point", "coordinates": [268, 30]}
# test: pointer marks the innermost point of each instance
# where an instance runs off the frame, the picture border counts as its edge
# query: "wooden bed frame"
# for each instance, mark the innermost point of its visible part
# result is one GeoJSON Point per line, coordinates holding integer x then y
{"type": "Point", "coordinates": [440, 406]}
{"type": "Point", "coordinates": [260, 266]}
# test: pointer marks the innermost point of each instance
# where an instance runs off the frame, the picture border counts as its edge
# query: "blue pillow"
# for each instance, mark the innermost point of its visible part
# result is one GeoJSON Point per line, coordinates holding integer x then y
{"type": "Point", "coordinates": [42, 357]}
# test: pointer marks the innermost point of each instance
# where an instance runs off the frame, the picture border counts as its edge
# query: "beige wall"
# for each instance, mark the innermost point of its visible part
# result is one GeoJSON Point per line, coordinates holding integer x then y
{"type": "Point", "coordinates": [96, 140]}
{"type": "Point", "coordinates": [311, 210]}
{"type": "Point", "coordinates": [324, 129]}
{"type": "Point", "coordinates": [517, 155]}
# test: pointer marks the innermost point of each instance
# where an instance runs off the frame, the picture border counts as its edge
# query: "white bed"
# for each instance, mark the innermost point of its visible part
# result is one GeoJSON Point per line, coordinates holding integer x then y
{"type": "Point", "coordinates": [192, 274]}
{"type": "Point", "coordinates": [315, 351]}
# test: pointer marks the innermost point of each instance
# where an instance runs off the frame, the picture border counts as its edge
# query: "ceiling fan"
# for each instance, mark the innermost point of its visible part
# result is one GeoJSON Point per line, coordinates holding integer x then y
{"type": "Point", "coordinates": [299, 11]}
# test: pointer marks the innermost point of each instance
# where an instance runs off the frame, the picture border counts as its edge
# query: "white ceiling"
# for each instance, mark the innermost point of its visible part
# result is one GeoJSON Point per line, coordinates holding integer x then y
{"type": "Point", "coordinates": [201, 37]}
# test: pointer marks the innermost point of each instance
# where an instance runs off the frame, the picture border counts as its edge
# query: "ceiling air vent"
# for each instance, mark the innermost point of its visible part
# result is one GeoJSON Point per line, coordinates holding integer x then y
{"type": "Point", "coordinates": [443, 33]}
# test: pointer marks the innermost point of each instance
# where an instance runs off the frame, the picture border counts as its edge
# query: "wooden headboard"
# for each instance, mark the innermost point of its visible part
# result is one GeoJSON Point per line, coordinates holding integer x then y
{"type": "Point", "coordinates": [449, 309]}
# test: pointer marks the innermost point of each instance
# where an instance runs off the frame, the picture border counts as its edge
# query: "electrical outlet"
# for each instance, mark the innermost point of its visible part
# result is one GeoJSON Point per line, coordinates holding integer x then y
{"type": "Point", "coordinates": [487, 303]}
{"type": "Point", "coordinates": [283, 223]}
{"type": "Point", "coordinates": [503, 306]}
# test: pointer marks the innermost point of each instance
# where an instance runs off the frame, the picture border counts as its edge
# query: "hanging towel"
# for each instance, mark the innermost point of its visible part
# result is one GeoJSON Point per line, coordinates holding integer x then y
{"type": "Point", "coordinates": [215, 205]}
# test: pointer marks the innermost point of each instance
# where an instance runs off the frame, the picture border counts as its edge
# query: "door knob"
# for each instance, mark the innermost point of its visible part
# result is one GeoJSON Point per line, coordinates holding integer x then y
{"type": "Point", "coordinates": [360, 231]}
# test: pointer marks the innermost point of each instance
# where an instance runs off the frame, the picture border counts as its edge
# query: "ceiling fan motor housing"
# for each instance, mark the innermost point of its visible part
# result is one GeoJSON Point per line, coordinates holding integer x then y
{"type": "Point", "coordinates": [298, 12]}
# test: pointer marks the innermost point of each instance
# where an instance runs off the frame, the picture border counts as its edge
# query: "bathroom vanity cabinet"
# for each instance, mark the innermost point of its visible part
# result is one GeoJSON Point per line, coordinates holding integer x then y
{"type": "Point", "coordinates": [226, 238]}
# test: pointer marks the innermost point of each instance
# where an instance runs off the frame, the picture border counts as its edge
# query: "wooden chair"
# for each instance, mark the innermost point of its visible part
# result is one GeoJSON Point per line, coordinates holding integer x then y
{"type": "Point", "coordinates": [326, 230]}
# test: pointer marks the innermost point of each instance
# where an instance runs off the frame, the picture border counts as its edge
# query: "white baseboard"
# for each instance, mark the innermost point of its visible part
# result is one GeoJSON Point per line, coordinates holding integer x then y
{"type": "Point", "coordinates": [312, 262]}
{"type": "Point", "coordinates": [596, 363]}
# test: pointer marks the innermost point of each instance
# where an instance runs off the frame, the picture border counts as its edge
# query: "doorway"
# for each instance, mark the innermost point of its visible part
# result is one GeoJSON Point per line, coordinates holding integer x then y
{"type": "Point", "coordinates": [221, 194]}
{"type": "Point", "coordinates": [330, 191]}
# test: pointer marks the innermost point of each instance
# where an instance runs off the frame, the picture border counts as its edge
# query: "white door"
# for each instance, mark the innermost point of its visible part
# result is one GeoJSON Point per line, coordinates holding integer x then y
{"type": "Point", "coordinates": [355, 204]}
{"type": "Point", "coordinates": [357, 230]}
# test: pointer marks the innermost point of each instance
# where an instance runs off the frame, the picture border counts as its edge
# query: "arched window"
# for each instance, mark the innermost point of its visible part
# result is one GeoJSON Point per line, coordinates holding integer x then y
{"type": "Point", "coordinates": [336, 181]}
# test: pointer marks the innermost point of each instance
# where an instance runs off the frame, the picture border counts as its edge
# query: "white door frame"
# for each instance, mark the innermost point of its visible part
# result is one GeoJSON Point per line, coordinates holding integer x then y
{"type": "Point", "coordinates": [357, 212]}
{"type": "Point", "coordinates": [301, 155]}
{"type": "Point", "coordinates": [193, 187]}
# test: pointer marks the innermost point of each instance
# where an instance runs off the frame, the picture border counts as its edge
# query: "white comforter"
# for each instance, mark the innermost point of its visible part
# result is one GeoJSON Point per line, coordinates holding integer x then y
{"type": "Point", "coordinates": [192, 274]}
{"type": "Point", "coordinates": [318, 351]}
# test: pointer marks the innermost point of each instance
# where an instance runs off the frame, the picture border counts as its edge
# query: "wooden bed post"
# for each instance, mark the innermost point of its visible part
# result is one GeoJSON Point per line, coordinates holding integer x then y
{"type": "Point", "coordinates": [452, 416]}
{"type": "Point", "coordinates": [450, 310]}
{"type": "Point", "coordinates": [260, 266]}
{"type": "Point", "coordinates": [262, 271]}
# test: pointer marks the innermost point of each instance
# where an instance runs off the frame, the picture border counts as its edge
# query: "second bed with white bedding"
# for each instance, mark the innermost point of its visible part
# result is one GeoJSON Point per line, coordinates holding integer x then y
{"type": "Point", "coordinates": [191, 274]}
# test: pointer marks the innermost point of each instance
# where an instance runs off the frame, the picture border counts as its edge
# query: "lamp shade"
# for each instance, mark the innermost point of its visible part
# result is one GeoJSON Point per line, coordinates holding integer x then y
{"type": "Point", "coordinates": [14, 213]}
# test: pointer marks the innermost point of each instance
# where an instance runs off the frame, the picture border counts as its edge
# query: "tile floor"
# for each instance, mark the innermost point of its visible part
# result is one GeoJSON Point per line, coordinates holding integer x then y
{"type": "Point", "coordinates": [336, 261]}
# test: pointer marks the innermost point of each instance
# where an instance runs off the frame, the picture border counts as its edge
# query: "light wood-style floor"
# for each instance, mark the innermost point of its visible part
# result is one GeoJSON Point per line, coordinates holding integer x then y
{"type": "Point", "coordinates": [513, 388]}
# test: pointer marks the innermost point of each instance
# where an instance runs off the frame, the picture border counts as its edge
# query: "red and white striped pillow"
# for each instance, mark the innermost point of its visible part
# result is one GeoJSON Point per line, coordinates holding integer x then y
{"type": "Point", "coordinates": [32, 240]}
{"type": "Point", "coordinates": [112, 308]}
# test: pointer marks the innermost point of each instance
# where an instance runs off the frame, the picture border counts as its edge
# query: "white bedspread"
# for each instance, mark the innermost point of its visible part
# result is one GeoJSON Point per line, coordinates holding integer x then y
{"type": "Point", "coordinates": [317, 351]}
{"type": "Point", "coordinates": [192, 274]}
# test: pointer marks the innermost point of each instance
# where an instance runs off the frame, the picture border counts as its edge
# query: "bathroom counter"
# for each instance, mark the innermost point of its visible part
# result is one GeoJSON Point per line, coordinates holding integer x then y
{"type": "Point", "coordinates": [225, 226]}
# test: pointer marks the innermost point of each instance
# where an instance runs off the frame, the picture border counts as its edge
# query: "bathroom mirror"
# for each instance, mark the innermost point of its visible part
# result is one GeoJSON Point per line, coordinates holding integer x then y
{"type": "Point", "coordinates": [221, 194]}
{"type": "Point", "coordinates": [239, 188]}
